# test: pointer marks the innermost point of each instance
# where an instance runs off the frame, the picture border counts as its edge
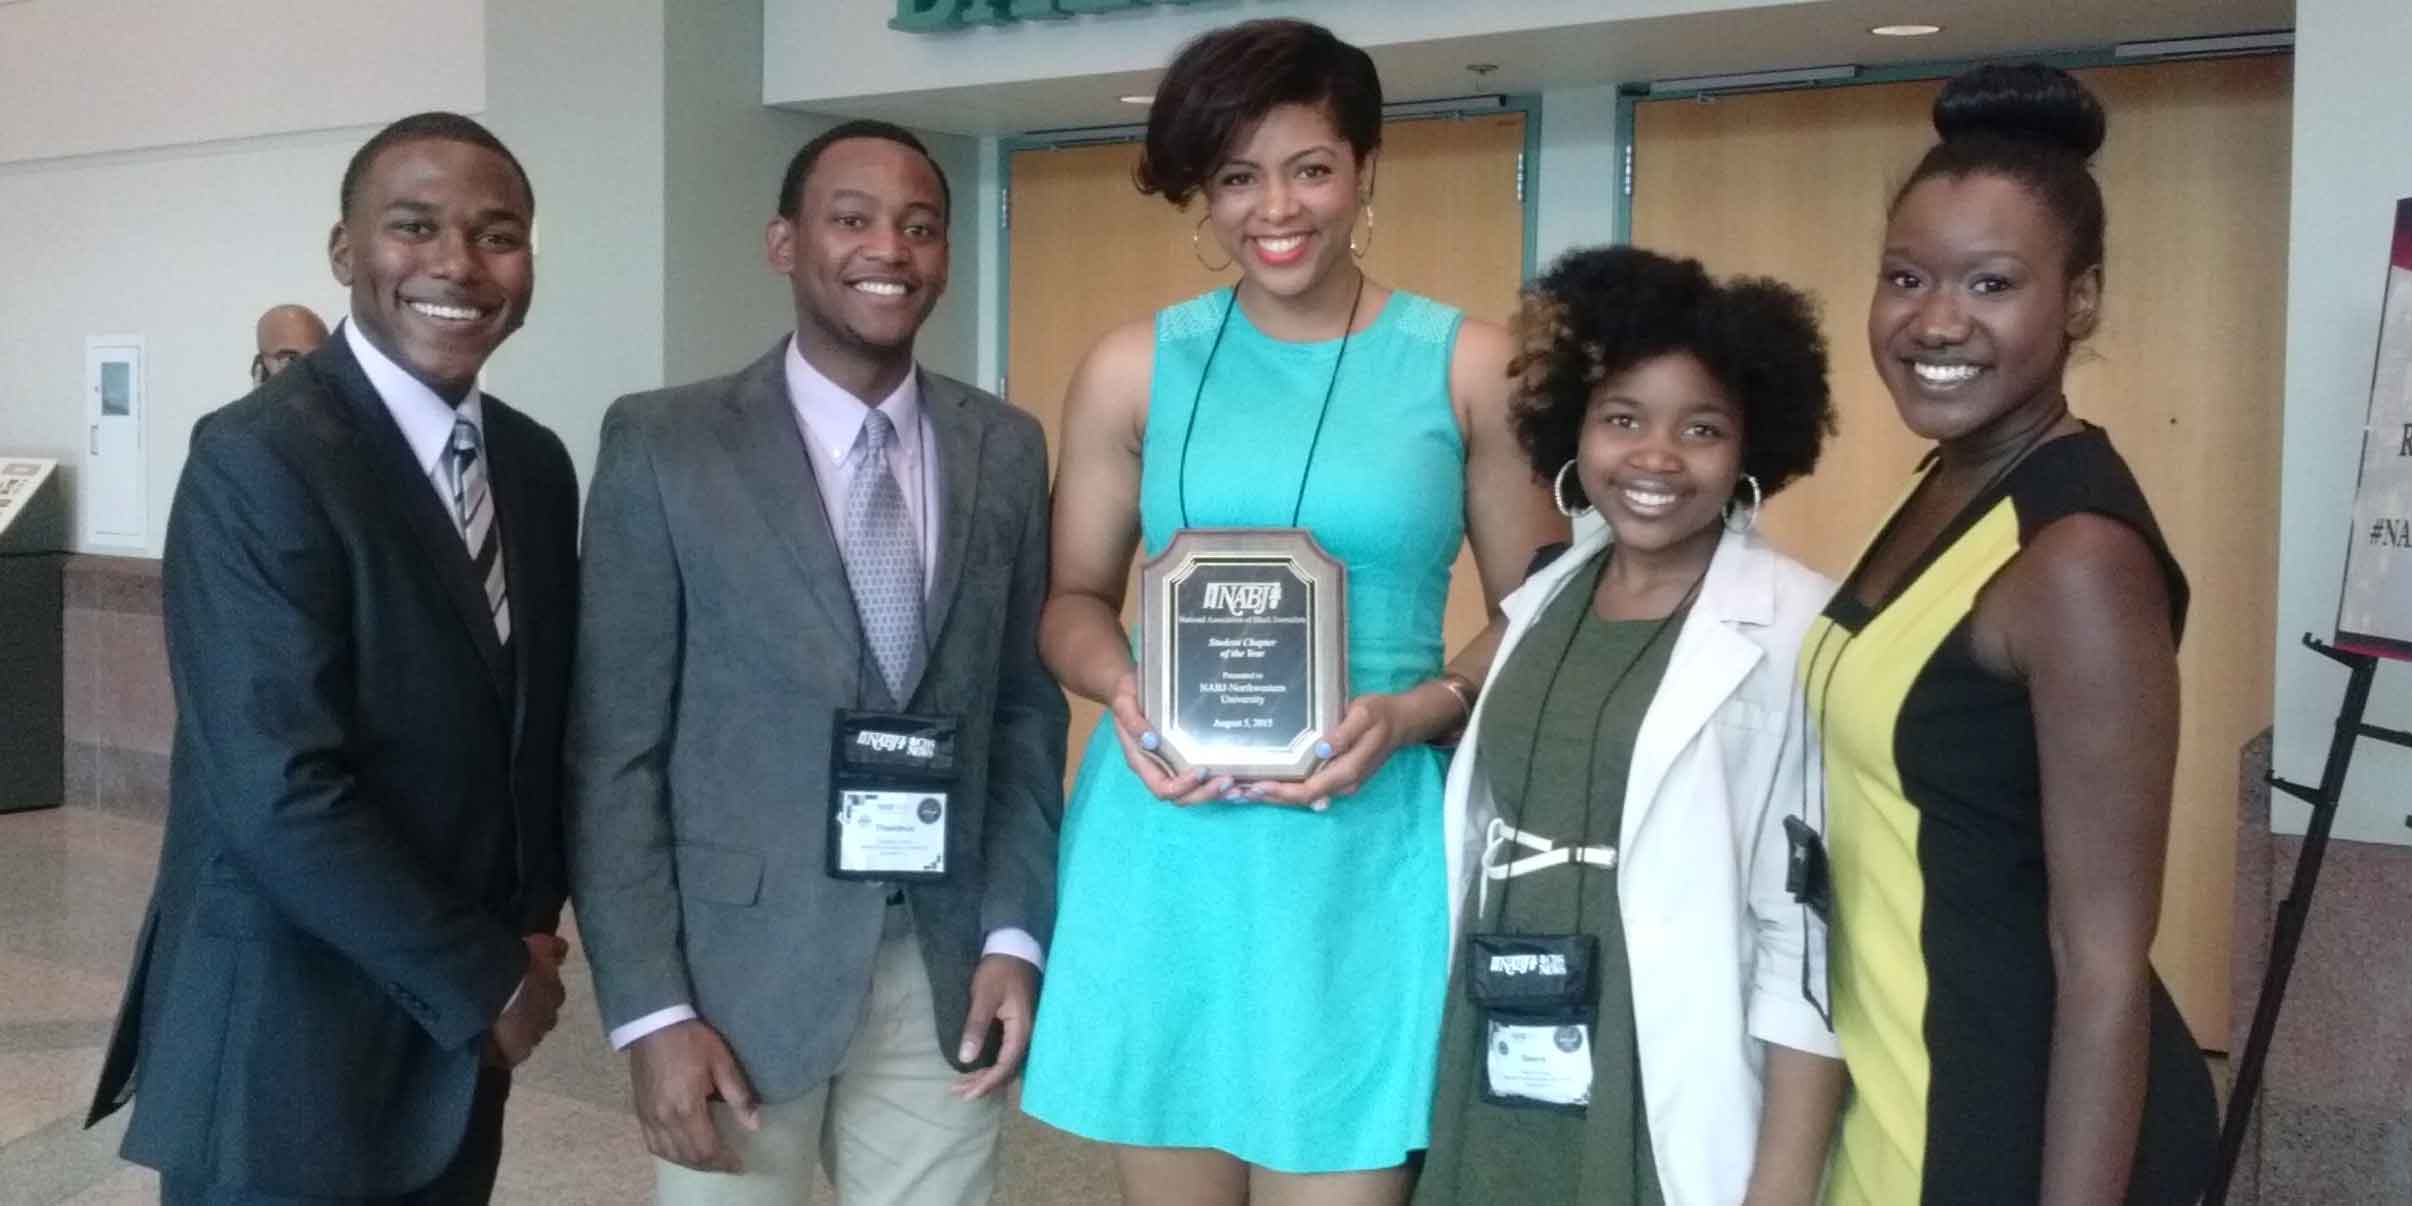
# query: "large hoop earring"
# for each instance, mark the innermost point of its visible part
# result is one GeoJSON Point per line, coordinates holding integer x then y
{"type": "Point", "coordinates": [1557, 492]}
{"type": "Point", "coordinates": [1750, 519]}
{"type": "Point", "coordinates": [1200, 252]}
{"type": "Point", "coordinates": [1368, 226]}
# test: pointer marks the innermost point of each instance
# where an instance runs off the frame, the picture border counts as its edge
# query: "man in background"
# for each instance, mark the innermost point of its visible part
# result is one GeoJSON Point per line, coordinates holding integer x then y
{"type": "Point", "coordinates": [286, 333]}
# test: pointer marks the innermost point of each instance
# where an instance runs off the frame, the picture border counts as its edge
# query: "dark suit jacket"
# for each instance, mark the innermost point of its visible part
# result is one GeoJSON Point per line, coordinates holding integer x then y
{"type": "Point", "coordinates": [363, 813]}
{"type": "Point", "coordinates": [717, 640]}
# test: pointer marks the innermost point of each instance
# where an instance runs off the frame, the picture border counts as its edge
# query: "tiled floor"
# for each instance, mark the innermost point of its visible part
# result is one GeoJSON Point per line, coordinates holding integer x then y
{"type": "Point", "coordinates": [73, 883]}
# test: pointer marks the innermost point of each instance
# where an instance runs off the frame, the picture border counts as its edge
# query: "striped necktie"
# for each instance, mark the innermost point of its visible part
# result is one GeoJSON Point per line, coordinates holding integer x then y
{"type": "Point", "coordinates": [473, 510]}
{"type": "Point", "coordinates": [883, 562]}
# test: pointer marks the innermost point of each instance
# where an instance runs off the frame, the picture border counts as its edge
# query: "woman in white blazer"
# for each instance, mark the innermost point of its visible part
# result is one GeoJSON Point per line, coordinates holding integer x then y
{"type": "Point", "coordinates": [1631, 1016]}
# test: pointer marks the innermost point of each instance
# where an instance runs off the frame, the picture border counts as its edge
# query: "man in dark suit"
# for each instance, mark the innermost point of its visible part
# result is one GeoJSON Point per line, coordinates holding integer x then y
{"type": "Point", "coordinates": [370, 585]}
{"type": "Point", "coordinates": [769, 556]}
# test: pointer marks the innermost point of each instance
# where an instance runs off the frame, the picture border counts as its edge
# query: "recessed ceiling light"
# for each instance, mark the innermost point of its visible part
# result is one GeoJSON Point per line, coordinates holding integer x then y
{"type": "Point", "coordinates": [1905, 31]}
{"type": "Point", "coordinates": [1140, 99]}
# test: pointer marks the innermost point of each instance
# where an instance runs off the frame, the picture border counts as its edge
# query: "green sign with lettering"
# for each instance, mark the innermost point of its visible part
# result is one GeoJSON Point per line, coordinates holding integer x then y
{"type": "Point", "coordinates": [943, 16]}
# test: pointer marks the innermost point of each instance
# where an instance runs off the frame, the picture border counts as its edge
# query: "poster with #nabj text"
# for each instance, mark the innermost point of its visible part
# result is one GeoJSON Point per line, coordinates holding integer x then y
{"type": "Point", "coordinates": [2374, 615]}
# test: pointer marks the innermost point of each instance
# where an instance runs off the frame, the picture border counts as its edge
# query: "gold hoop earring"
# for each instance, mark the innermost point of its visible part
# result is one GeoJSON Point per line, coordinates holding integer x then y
{"type": "Point", "coordinates": [1368, 224]}
{"type": "Point", "coordinates": [1200, 252]}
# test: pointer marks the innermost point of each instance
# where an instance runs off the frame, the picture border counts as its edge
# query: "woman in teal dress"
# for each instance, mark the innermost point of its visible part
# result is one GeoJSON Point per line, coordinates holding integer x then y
{"type": "Point", "coordinates": [1244, 989]}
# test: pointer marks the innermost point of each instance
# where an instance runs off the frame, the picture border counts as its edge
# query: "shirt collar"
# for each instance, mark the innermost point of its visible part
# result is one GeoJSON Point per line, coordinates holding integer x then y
{"type": "Point", "coordinates": [833, 418]}
{"type": "Point", "coordinates": [424, 417]}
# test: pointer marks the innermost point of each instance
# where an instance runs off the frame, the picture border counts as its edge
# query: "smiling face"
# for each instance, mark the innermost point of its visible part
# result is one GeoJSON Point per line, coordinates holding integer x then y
{"type": "Point", "coordinates": [435, 251]}
{"type": "Point", "coordinates": [1975, 310]}
{"type": "Point", "coordinates": [866, 254]}
{"type": "Point", "coordinates": [1660, 451]}
{"type": "Point", "coordinates": [1285, 199]}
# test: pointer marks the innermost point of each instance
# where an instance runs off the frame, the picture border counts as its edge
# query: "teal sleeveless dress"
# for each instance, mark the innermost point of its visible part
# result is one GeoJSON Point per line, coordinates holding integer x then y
{"type": "Point", "coordinates": [1262, 980]}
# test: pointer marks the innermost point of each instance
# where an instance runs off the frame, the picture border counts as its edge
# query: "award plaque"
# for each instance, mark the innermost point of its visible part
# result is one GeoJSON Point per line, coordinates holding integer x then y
{"type": "Point", "coordinates": [1243, 650]}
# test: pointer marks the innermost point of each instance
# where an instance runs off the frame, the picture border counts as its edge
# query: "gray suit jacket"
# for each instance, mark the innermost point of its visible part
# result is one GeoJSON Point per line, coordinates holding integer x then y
{"type": "Point", "coordinates": [719, 641]}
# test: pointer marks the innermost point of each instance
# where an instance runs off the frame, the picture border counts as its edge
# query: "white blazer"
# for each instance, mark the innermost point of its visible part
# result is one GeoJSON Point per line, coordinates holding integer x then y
{"type": "Point", "coordinates": [1714, 939]}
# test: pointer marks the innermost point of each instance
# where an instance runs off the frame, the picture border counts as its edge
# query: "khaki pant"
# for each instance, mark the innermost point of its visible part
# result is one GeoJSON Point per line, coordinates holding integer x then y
{"type": "Point", "coordinates": [885, 1129]}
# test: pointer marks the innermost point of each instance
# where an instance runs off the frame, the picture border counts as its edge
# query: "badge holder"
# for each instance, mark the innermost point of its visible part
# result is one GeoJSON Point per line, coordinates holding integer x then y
{"type": "Point", "coordinates": [1535, 993]}
{"type": "Point", "coordinates": [891, 784]}
{"type": "Point", "coordinates": [1809, 879]}
{"type": "Point", "coordinates": [1806, 875]}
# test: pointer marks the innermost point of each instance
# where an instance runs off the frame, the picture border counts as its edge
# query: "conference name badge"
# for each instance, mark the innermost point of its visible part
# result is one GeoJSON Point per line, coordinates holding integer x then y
{"type": "Point", "coordinates": [1537, 994]}
{"type": "Point", "coordinates": [892, 779]}
{"type": "Point", "coordinates": [1541, 1064]}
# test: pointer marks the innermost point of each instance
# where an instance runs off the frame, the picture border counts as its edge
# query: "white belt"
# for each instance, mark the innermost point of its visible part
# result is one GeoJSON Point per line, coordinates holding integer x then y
{"type": "Point", "coordinates": [1501, 835]}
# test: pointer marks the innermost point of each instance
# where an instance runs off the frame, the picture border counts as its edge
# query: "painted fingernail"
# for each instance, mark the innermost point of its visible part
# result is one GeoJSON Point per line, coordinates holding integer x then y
{"type": "Point", "coordinates": [969, 1051]}
{"type": "Point", "coordinates": [1149, 741]}
{"type": "Point", "coordinates": [1321, 805]}
{"type": "Point", "coordinates": [1323, 749]}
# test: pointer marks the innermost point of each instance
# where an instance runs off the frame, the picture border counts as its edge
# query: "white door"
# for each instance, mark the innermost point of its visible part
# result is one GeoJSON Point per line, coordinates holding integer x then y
{"type": "Point", "coordinates": [115, 509]}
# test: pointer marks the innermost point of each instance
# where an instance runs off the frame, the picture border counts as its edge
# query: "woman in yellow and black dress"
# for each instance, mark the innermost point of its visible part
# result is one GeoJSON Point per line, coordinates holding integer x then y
{"type": "Point", "coordinates": [1996, 688]}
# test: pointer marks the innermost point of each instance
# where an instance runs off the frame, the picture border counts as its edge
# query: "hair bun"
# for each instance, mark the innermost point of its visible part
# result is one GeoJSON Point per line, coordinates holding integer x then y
{"type": "Point", "coordinates": [2022, 102]}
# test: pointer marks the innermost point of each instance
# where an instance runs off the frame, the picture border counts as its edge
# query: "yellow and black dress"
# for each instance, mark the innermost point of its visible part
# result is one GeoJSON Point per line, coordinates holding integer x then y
{"type": "Point", "coordinates": [1942, 969]}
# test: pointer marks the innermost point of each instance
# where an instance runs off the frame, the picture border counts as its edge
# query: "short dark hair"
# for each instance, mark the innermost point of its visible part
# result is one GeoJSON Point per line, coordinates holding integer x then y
{"type": "Point", "coordinates": [435, 126]}
{"type": "Point", "coordinates": [1601, 311]}
{"type": "Point", "coordinates": [791, 185]}
{"type": "Point", "coordinates": [2033, 124]}
{"type": "Point", "coordinates": [1225, 81]}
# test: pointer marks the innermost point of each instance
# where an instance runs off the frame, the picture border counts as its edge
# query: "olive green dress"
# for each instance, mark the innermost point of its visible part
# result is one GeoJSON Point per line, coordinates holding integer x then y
{"type": "Point", "coordinates": [1564, 711]}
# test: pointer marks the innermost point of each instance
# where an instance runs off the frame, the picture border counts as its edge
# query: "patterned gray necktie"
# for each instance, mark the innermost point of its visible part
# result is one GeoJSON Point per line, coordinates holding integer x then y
{"type": "Point", "coordinates": [473, 511]}
{"type": "Point", "coordinates": [883, 562]}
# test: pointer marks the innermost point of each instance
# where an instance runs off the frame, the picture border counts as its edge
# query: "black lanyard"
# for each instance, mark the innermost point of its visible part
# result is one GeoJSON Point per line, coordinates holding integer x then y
{"type": "Point", "coordinates": [1590, 764]}
{"type": "Point", "coordinates": [1181, 478]}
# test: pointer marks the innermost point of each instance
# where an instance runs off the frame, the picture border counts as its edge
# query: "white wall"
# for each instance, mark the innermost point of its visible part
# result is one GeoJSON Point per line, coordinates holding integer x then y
{"type": "Point", "coordinates": [831, 49]}
{"type": "Point", "coordinates": [2353, 159]}
{"type": "Point", "coordinates": [640, 123]}
{"type": "Point", "coordinates": [84, 76]}
{"type": "Point", "coordinates": [186, 245]}
{"type": "Point", "coordinates": [170, 170]}
{"type": "Point", "coordinates": [990, 256]}
{"type": "Point", "coordinates": [950, 342]}
{"type": "Point", "coordinates": [580, 101]}
{"type": "Point", "coordinates": [184, 248]}
{"type": "Point", "coordinates": [726, 154]}
{"type": "Point", "coordinates": [1581, 173]}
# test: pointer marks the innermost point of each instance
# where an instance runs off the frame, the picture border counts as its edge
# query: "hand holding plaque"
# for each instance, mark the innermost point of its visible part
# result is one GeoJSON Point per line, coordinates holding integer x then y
{"type": "Point", "coordinates": [1137, 736]}
{"type": "Point", "coordinates": [1243, 650]}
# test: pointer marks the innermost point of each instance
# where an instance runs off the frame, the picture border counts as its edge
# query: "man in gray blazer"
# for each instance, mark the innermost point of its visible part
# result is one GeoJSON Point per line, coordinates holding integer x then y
{"type": "Point", "coordinates": [796, 571]}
